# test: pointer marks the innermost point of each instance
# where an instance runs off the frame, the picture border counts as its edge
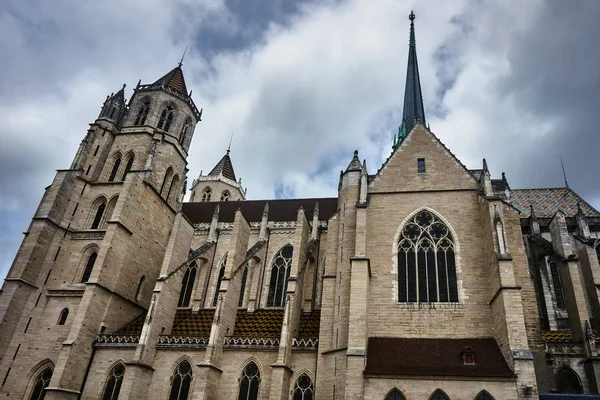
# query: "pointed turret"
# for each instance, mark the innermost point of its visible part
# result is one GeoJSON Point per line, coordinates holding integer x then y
{"type": "Point", "coordinates": [173, 80]}
{"type": "Point", "coordinates": [114, 105]}
{"type": "Point", "coordinates": [219, 184]}
{"type": "Point", "coordinates": [413, 99]}
{"type": "Point", "coordinates": [224, 167]}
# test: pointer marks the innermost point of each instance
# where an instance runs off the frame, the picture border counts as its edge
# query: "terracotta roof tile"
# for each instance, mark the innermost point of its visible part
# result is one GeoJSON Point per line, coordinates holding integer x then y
{"type": "Point", "coordinates": [435, 357]}
{"type": "Point", "coordinates": [193, 324]}
{"type": "Point", "coordinates": [546, 202]}
{"type": "Point", "coordinates": [563, 336]}
{"type": "Point", "coordinates": [173, 80]}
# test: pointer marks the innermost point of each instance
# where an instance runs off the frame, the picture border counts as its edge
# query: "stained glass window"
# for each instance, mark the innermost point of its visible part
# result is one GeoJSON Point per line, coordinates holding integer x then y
{"type": "Point", "coordinates": [249, 383]}
{"type": "Point", "coordinates": [280, 272]}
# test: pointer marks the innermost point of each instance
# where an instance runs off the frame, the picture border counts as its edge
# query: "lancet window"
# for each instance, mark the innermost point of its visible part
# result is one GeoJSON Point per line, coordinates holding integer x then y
{"type": "Point", "coordinates": [142, 114]}
{"type": "Point", "coordinates": [185, 129]}
{"type": "Point", "coordinates": [280, 273]}
{"type": "Point", "coordinates": [557, 284]}
{"type": "Point", "coordinates": [225, 195]}
{"type": "Point", "coordinates": [426, 261]}
{"type": "Point", "coordinates": [187, 285]}
{"type": "Point", "coordinates": [89, 266]}
{"type": "Point", "coordinates": [127, 168]}
{"type": "Point", "coordinates": [304, 389]}
{"type": "Point", "coordinates": [166, 118]}
{"type": "Point", "coordinates": [206, 194]}
{"type": "Point", "coordinates": [439, 395]}
{"type": "Point", "coordinates": [395, 395]}
{"type": "Point", "coordinates": [219, 279]}
{"type": "Point", "coordinates": [484, 396]}
{"type": "Point", "coordinates": [250, 382]}
{"type": "Point", "coordinates": [64, 314]}
{"type": "Point", "coordinates": [180, 382]}
{"type": "Point", "coordinates": [243, 286]}
{"type": "Point", "coordinates": [98, 216]}
{"type": "Point", "coordinates": [42, 380]}
{"type": "Point", "coordinates": [114, 382]}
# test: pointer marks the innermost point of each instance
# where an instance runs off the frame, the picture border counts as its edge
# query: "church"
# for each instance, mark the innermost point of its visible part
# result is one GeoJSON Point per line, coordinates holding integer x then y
{"type": "Point", "coordinates": [422, 279]}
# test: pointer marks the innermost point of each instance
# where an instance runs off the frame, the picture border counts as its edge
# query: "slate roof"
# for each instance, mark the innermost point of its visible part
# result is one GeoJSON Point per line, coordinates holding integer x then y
{"type": "Point", "coordinates": [224, 167]}
{"type": "Point", "coordinates": [546, 202]}
{"type": "Point", "coordinates": [279, 210]}
{"type": "Point", "coordinates": [435, 357]}
{"type": "Point", "coordinates": [355, 164]}
{"type": "Point", "coordinates": [173, 80]}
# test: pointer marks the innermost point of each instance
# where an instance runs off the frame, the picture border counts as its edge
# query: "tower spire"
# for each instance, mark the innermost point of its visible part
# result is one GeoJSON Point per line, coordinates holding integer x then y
{"type": "Point", "coordinates": [413, 99]}
{"type": "Point", "coordinates": [182, 57]}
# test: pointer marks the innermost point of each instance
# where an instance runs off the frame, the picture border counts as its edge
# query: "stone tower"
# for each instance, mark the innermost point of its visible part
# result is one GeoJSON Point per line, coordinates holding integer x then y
{"type": "Point", "coordinates": [219, 184]}
{"type": "Point", "coordinates": [96, 242]}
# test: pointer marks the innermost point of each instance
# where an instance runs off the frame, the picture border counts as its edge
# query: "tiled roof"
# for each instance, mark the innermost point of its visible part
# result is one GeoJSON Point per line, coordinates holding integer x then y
{"type": "Point", "coordinates": [134, 327]}
{"type": "Point", "coordinates": [546, 202]}
{"type": "Point", "coordinates": [173, 80]}
{"type": "Point", "coordinates": [188, 323]}
{"type": "Point", "coordinates": [224, 167]}
{"type": "Point", "coordinates": [563, 336]}
{"type": "Point", "coordinates": [435, 357]}
{"type": "Point", "coordinates": [279, 210]}
{"type": "Point", "coordinates": [261, 323]}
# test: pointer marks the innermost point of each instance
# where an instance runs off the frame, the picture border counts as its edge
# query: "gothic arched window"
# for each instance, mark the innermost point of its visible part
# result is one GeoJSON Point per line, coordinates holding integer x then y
{"type": "Point", "coordinates": [173, 184]}
{"type": "Point", "coordinates": [166, 118]}
{"type": "Point", "coordinates": [180, 382]}
{"type": "Point", "coordinates": [557, 284]}
{"type": "Point", "coordinates": [426, 261]}
{"type": "Point", "coordinates": [280, 272]}
{"type": "Point", "coordinates": [115, 169]}
{"type": "Point", "coordinates": [127, 168]}
{"type": "Point", "coordinates": [140, 119]}
{"type": "Point", "coordinates": [219, 279]}
{"type": "Point", "coordinates": [304, 389]}
{"type": "Point", "coordinates": [140, 286]}
{"type": "Point", "coordinates": [206, 194]}
{"type": "Point", "coordinates": [439, 395]}
{"type": "Point", "coordinates": [225, 195]}
{"type": "Point", "coordinates": [483, 395]}
{"type": "Point", "coordinates": [250, 382]}
{"type": "Point", "coordinates": [568, 381]}
{"type": "Point", "coordinates": [187, 285]}
{"type": "Point", "coordinates": [62, 319]}
{"type": "Point", "coordinates": [98, 216]}
{"type": "Point", "coordinates": [395, 394]}
{"type": "Point", "coordinates": [185, 129]}
{"type": "Point", "coordinates": [41, 382]}
{"type": "Point", "coordinates": [167, 178]}
{"type": "Point", "coordinates": [114, 382]}
{"type": "Point", "coordinates": [243, 286]}
{"type": "Point", "coordinates": [89, 266]}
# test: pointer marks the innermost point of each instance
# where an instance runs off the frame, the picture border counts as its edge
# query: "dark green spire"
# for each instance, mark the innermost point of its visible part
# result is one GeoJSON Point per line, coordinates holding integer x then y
{"type": "Point", "coordinates": [413, 99]}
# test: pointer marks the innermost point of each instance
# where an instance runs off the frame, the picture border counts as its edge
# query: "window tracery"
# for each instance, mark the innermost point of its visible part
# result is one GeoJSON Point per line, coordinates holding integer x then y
{"type": "Point", "coordinates": [280, 273]}
{"type": "Point", "coordinates": [187, 285]}
{"type": "Point", "coordinates": [250, 382]}
{"type": "Point", "coordinates": [303, 389]}
{"type": "Point", "coordinates": [166, 118]}
{"type": "Point", "coordinates": [42, 381]}
{"type": "Point", "coordinates": [142, 114]}
{"type": "Point", "coordinates": [114, 382]}
{"type": "Point", "coordinates": [225, 195]}
{"type": "Point", "coordinates": [426, 261]}
{"type": "Point", "coordinates": [180, 382]}
{"type": "Point", "coordinates": [206, 194]}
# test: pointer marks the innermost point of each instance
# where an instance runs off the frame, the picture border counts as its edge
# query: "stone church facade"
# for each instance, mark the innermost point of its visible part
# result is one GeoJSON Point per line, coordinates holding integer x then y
{"type": "Point", "coordinates": [420, 280]}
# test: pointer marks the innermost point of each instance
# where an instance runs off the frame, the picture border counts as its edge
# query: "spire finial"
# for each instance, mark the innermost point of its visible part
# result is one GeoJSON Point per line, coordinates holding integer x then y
{"type": "Point", "coordinates": [564, 173]}
{"type": "Point", "coordinates": [230, 140]}
{"type": "Point", "coordinates": [182, 57]}
{"type": "Point", "coordinates": [412, 28]}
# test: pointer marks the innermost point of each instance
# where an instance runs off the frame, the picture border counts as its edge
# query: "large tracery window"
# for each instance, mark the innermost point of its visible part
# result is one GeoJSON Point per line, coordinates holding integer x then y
{"type": "Point", "coordinates": [166, 118]}
{"type": "Point", "coordinates": [42, 380]}
{"type": "Point", "coordinates": [142, 114]}
{"type": "Point", "coordinates": [114, 382]}
{"type": "Point", "coordinates": [304, 389]}
{"type": "Point", "coordinates": [180, 382]}
{"type": "Point", "coordinates": [280, 273]}
{"type": "Point", "coordinates": [249, 383]}
{"type": "Point", "coordinates": [426, 261]}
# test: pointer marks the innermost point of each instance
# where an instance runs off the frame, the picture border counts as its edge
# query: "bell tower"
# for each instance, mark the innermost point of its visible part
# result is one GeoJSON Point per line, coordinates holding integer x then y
{"type": "Point", "coordinates": [98, 237]}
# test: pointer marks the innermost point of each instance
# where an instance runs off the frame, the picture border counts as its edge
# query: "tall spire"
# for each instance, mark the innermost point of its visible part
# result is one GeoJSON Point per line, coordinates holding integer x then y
{"type": "Point", "coordinates": [413, 99]}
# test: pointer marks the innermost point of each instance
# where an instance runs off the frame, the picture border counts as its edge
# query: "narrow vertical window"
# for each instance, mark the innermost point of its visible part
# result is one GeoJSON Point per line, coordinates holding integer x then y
{"type": "Point", "coordinates": [280, 272]}
{"type": "Point", "coordinates": [41, 382]}
{"type": "Point", "coordinates": [180, 382]}
{"type": "Point", "coordinates": [166, 118]}
{"type": "Point", "coordinates": [187, 285]}
{"type": "Point", "coordinates": [114, 382]}
{"type": "Point", "coordinates": [304, 388]}
{"type": "Point", "coordinates": [115, 169]}
{"type": "Point", "coordinates": [167, 178]}
{"type": "Point", "coordinates": [140, 286]}
{"type": "Point", "coordinates": [98, 216]}
{"type": "Point", "coordinates": [421, 165]}
{"type": "Point", "coordinates": [140, 119]}
{"type": "Point", "coordinates": [219, 279]}
{"type": "Point", "coordinates": [243, 286]}
{"type": "Point", "coordinates": [250, 383]}
{"type": "Point", "coordinates": [62, 319]}
{"type": "Point", "coordinates": [184, 130]}
{"type": "Point", "coordinates": [89, 266]}
{"type": "Point", "coordinates": [172, 186]}
{"type": "Point", "coordinates": [500, 234]}
{"type": "Point", "coordinates": [206, 194]}
{"type": "Point", "coordinates": [426, 261]}
{"type": "Point", "coordinates": [96, 151]}
{"type": "Point", "coordinates": [557, 285]}
{"type": "Point", "coordinates": [127, 168]}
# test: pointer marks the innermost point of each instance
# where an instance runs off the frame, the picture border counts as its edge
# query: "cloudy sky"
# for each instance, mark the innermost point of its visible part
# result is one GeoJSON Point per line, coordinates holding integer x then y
{"type": "Point", "coordinates": [301, 84]}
